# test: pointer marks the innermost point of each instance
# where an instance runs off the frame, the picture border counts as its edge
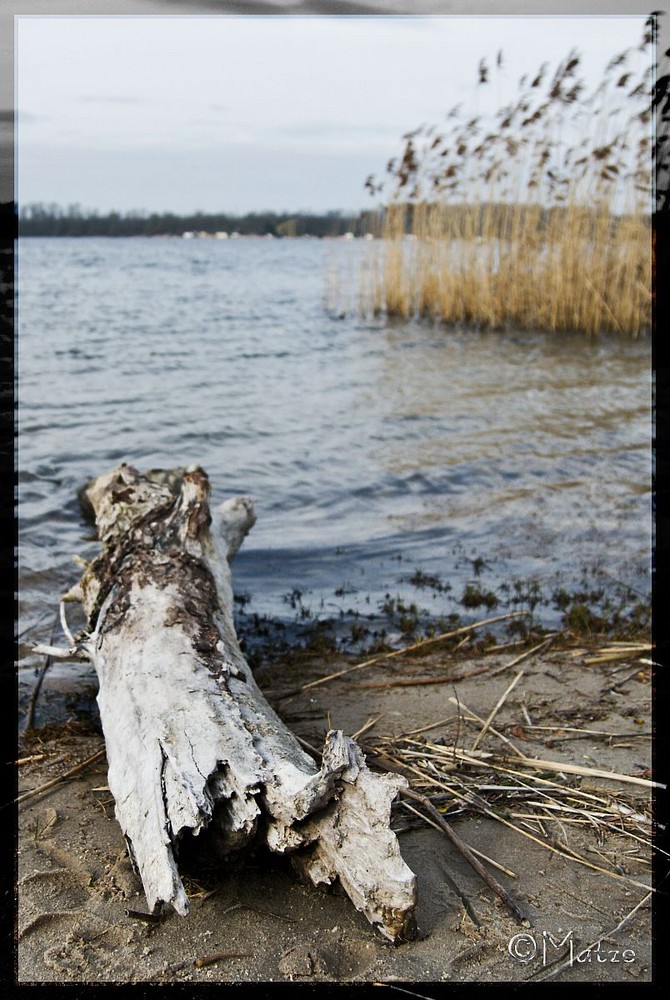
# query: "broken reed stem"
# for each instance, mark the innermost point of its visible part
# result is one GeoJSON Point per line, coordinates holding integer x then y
{"type": "Point", "coordinates": [433, 725]}
{"type": "Point", "coordinates": [418, 681]}
{"type": "Point", "coordinates": [478, 854]}
{"type": "Point", "coordinates": [465, 851]}
{"type": "Point", "coordinates": [608, 656]}
{"type": "Point", "coordinates": [409, 649]}
{"type": "Point", "coordinates": [539, 764]}
{"type": "Point", "coordinates": [577, 793]}
{"type": "Point", "coordinates": [587, 732]}
{"type": "Point", "coordinates": [32, 704]}
{"type": "Point", "coordinates": [496, 708]}
{"type": "Point", "coordinates": [587, 772]}
{"type": "Point", "coordinates": [524, 656]}
{"type": "Point", "coordinates": [432, 769]}
{"type": "Point", "coordinates": [461, 704]}
{"type": "Point", "coordinates": [364, 729]}
{"type": "Point", "coordinates": [61, 777]}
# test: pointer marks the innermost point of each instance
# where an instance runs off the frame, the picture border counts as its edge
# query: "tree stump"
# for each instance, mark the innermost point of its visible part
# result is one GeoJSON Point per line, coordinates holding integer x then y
{"type": "Point", "coordinates": [192, 744]}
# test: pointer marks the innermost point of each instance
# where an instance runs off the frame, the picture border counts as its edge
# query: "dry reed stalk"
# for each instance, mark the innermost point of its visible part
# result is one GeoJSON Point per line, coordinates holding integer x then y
{"type": "Point", "coordinates": [418, 681]}
{"type": "Point", "coordinates": [618, 652]}
{"type": "Point", "coordinates": [569, 285]}
{"type": "Point", "coordinates": [587, 732]}
{"type": "Point", "coordinates": [364, 729]}
{"type": "Point", "coordinates": [588, 772]}
{"type": "Point", "coordinates": [509, 901]}
{"type": "Point", "coordinates": [61, 777]}
{"type": "Point", "coordinates": [472, 716]}
{"type": "Point", "coordinates": [496, 708]}
{"type": "Point", "coordinates": [526, 655]}
{"type": "Point", "coordinates": [540, 764]}
{"type": "Point", "coordinates": [478, 854]}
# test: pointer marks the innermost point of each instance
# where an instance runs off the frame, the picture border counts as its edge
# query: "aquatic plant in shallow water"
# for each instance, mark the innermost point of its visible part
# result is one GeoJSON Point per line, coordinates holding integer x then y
{"type": "Point", "coordinates": [536, 218]}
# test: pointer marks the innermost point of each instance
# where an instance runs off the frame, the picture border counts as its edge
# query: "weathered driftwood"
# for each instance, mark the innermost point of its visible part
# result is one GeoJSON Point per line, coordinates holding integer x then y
{"type": "Point", "coordinates": [193, 747]}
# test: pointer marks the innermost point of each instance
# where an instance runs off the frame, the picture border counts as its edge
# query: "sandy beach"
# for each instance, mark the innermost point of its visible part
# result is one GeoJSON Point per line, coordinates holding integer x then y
{"type": "Point", "coordinates": [580, 881]}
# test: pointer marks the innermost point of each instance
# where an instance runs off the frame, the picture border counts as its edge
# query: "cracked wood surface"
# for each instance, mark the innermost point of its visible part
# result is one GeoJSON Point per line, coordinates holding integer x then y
{"type": "Point", "coordinates": [196, 754]}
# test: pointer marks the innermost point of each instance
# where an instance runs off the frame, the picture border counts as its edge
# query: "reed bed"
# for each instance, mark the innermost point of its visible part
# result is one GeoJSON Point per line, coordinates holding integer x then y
{"type": "Point", "coordinates": [538, 217]}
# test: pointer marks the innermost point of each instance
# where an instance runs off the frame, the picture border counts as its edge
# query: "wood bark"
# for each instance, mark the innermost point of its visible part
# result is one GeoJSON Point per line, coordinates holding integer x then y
{"type": "Point", "coordinates": [194, 749]}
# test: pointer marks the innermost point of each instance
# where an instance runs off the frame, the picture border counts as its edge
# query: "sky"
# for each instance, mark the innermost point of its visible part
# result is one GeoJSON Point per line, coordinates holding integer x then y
{"type": "Point", "coordinates": [239, 114]}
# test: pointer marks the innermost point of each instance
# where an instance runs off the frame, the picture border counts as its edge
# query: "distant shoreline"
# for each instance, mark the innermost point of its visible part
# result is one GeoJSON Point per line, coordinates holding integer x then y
{"type": "Point", "coordinates": [52, 220]}
{"type": "Point", "coordinates": [196, 236]}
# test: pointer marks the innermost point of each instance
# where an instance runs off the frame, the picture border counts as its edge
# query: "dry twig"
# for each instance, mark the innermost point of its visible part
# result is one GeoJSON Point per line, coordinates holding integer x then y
{"type": "Point", "coordinates": [463, 849]}
{"type": "Point", "coordinates": [61, 777]}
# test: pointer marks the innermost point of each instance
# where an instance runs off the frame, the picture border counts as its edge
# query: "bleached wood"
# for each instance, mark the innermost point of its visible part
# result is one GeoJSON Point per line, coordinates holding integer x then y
{"type": "Point", "coordinates": [192, 744]}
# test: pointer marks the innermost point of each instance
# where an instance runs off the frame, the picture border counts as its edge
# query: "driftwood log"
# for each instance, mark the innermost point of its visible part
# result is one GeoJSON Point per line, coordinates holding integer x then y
{"type": "Point", "coordinates": [194, 749]}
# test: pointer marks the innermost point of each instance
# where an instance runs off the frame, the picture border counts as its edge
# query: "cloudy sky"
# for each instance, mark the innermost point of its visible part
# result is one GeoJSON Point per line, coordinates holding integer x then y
{"type": "Point", "coordinates": [254, 113]}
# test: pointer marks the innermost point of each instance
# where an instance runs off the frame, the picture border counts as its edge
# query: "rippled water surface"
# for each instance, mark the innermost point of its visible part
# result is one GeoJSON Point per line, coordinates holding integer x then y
{"type": "Point", "coordinates": [372, 450]}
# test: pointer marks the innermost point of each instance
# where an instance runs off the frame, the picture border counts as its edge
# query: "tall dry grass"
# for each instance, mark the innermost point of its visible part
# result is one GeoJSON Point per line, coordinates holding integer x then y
{"type": "Point", "coordinates": [538, 217]}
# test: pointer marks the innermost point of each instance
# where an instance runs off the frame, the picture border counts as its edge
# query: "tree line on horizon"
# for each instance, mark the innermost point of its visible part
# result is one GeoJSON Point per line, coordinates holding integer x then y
{"type": "Point", "coordinates": [53, 220]}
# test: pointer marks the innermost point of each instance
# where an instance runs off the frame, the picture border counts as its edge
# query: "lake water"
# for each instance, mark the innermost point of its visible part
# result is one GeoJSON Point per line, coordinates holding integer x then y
{"type": "Point", "coordinates": [373, 450]}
